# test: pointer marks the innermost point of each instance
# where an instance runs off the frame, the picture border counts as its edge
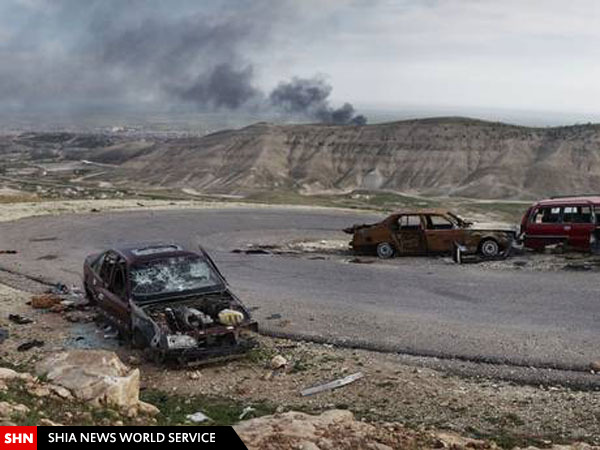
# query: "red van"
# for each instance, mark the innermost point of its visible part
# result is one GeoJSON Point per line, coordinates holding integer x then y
{"type": "Point", "coordinates": [567, 220]}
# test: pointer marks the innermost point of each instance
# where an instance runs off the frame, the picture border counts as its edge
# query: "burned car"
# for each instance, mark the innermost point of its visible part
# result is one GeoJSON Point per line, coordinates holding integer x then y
{"type": "Point", "coordinates": [172, 302]}
{"type": "Point", "coordinates": [431, 231]}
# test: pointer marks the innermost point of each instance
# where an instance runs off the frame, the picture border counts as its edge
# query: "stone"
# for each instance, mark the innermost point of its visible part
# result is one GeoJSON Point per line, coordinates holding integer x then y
{"type": "Point", "coordinates": [49, 423]}
{"type": "Point", "coordinates": [308, 445]}
{"type": "Point", "coordinates": [8, 374]}
{"type": "Point", "coordinates": [595, 366]}
{"type": "Point", "coordinates": [7, 409]}
{"type": "Point", "coordinates": [95, 376]}
{"type": "Point", "coordinates": [148, 409]}
{"type": "Point", "coordinates": [278, 362]}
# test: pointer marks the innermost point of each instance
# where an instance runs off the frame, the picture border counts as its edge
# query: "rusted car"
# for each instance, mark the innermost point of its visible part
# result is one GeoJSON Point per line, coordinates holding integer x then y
{"type": "Point", "coordinates": [172, 302]}
{"type": "Point", "coordinates": [431, 231]}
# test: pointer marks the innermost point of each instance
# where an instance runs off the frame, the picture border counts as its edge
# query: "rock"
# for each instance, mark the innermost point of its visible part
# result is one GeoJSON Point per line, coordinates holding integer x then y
{"type": "Point", "coordinates": [195, 375]}
{"type": "Point", "coordinates": [308, 445]}
{"type": "Point", "coordinates": [378, 446]}
{"type": "Point", "coordinates": [595, 366]}
{"type": "Point", "coordinates": [454, 441]}
{"type": "Point", "coordinates": [8, 374]}
{"type": "Point", "coordinates": [7, 409]}
{"type": "Point", "coordinates": [49, 423]}
{"type": "Point", "coordinates": [148, 409]}
{"type": "Point", "coordinates": [278, 362]}
{"type": "Point", "coordinates": [39, 391]}
{"type": "Point", "coordinates": [60, 391]}
{"type": "Point", "coordinates": [336, 428]}
{"type": "Point", "coordinates": [95, 376]}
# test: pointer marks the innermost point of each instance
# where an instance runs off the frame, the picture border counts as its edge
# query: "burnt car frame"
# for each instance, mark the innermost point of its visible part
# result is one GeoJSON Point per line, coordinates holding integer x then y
{"type": "Point", "coordinates": [169, 301]}
{"type": "Point", "coordinates": [570, 221]}
{"type": "Point", "coordinates": [429, 231]}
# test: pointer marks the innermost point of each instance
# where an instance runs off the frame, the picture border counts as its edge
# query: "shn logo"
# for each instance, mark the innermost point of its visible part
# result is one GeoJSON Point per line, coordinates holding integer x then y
{"type": "Point", "coordinates": [18, 438]}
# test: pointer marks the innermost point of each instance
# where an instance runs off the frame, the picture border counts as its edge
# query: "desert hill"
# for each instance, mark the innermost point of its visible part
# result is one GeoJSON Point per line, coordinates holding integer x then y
{"type": "Point", "coordinates": [441, 156]}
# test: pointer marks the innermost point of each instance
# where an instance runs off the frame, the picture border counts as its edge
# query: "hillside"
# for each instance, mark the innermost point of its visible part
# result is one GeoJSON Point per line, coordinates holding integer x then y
{"type": "Point", "coordinates": [442, 156]}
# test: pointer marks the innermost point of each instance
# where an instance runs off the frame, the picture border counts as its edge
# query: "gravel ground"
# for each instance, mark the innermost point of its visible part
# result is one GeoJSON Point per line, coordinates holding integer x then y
{"type": "Point", "coordinates": [390, 390]}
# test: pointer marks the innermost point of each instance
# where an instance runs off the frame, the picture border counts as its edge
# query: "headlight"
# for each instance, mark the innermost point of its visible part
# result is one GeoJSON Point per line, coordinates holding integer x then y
{"type": "Point", "coordinates": [181, 341]}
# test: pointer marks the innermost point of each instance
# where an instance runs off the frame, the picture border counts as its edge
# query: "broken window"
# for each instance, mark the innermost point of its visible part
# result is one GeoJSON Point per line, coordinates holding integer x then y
{"type": "Point", "coordinates": [107, 266]}
{"type": "Point", "coordinates": [547, 214]}
{"type": "Point", "coordinates": [439, 223]}
{"type": "Point", "coordinates": [173, 275]}
{"type": "Point", "coordinates": [409, 222]}
{"type": "Point", "coordinates": [117, 286]}
{"type": "Point", "coordinates": [577, 214]}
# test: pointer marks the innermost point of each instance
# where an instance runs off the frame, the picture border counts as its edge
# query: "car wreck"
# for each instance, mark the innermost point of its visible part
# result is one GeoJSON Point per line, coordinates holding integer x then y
{"type": "Point", "coordinates": [430, 231]}
{"type": "Point", "coordinates": [172, 302]}
{"type": "Point", "coordinates": [571, 222]}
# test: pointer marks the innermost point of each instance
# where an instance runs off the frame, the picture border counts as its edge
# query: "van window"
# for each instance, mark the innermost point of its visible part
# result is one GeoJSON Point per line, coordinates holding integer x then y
{"type": "Point", "coordinates": [577, 214]}
{"type": "Point", "coordinates": [547, 214]}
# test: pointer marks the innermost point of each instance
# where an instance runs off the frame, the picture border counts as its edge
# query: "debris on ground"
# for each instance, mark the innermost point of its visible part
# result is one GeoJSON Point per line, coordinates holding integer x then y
{"type": "Point", "coordinates": [3, 335]}
{"type": "Point", "coordinates": [30, 344]}
{"type": "Point", "coordinates": [332, 384]}
{"type": "Point", "coordinates": [252, 251]}
{"type": "Point", "coordinates": [19, 319]}
{"type": "Point", "coordinates": [198, 417]}
{"type": "Point", "coordinates": [45, 301]}
{"type": "Point", "coordinates": [247, 410]}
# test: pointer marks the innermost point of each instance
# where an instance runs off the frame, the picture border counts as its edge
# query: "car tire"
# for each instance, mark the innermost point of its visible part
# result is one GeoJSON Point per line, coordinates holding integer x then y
{"type": "Point", "coordinates": [385, 250]}
{"type": "Point", "coordinates": [489, 248]}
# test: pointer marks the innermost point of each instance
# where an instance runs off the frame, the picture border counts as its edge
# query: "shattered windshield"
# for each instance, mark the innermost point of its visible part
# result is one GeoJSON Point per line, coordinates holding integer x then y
{"type": "Point", "coordinates": [171, 276]}
{"type": "Point", "coordinates": [461, 221]}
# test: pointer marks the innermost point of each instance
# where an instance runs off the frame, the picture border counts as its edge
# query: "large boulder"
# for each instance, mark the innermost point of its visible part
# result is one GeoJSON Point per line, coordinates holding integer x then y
{"type": "Point", "coordinates": [331, 430]}
{"type": "Point", "coordinates": [95, 376]}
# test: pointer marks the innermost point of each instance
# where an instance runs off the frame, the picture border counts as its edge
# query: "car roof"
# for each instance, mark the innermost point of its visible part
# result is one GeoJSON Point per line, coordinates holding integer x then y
{"type": "Point", "coordinates": [142, 253]}
{"type": "Point", "coordinates": [592, 200]}
{"type": "Point", "coordinates": [409, 211]}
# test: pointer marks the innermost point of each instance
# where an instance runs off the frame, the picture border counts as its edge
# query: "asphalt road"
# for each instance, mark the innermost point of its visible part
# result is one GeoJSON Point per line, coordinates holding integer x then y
{"type": "Point", "coordinates": [416, 306]}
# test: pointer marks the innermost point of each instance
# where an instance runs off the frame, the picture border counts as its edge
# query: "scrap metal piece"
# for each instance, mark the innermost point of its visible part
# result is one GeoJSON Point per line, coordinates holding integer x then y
{"type": "Point", "coordinates": [29, 345]}
{"type": "Point", "coordinates": [332, 384]}
{"type": "Point", "coordinates": [19, 320]}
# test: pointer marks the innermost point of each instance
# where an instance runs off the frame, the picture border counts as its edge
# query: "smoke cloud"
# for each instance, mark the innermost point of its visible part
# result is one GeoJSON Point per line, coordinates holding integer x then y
{"type": "Point", "coordinates": [309, 97]}
{"type": "Point", "coordinates": [140, 53]}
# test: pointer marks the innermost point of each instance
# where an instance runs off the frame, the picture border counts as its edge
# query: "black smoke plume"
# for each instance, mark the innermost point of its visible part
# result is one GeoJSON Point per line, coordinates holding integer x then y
{"type": "Point", "coordinates": [128, 52]}
{"type": "Point", "coordinates": [310, 98]}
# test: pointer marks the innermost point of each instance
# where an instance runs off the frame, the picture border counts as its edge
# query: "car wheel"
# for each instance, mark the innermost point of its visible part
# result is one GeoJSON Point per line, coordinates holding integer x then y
{"type": "Point", "coordinates": [489, 248]}
{"type": "Point", "coordinates": [385, 250]}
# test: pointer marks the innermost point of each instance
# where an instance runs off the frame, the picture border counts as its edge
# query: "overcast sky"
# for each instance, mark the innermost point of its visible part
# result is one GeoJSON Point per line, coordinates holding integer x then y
{"type": "Point", "coordinates": [462, 56]}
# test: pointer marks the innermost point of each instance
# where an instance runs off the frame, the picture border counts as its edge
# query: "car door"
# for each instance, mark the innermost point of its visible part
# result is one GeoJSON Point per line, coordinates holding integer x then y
{"type": "Point", "coordinates": [112, 295]}
{"type": "Point", "coordinates": [410, 236]}
{"type": "Point", "coordinates": [578, 224]}
{"type": "Point", "coordinates": [545, 227]}
{"type": "Point", "coordinates": [440, 233]}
